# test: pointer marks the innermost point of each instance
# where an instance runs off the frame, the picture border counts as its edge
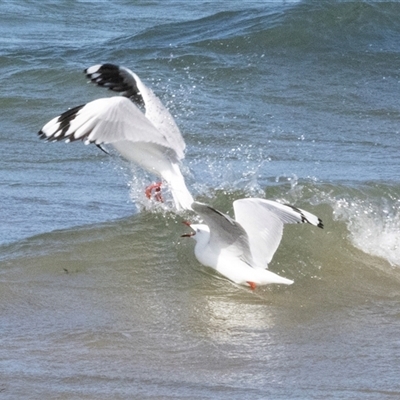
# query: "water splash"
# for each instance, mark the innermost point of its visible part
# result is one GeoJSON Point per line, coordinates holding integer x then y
{"type": "Point", "coordinates": [373, 225]}
{"type": "Point", "coordinates": [138, 181]}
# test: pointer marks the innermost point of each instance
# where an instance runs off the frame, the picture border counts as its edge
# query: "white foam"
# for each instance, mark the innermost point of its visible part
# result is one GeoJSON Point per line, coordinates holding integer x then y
{"type": "Point", "coordinates": [374, 226]}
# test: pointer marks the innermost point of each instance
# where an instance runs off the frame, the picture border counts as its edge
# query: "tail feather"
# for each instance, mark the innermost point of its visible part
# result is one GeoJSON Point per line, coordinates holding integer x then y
{"type": "Point", "coordinates": [180, 193]}
{"type": "Point", "coordinates": [267, 277]}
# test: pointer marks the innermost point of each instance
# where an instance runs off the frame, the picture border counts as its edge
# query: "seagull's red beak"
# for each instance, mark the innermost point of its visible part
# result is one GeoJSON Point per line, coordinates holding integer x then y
{"type": "Point", "coordinates": [187, 223]}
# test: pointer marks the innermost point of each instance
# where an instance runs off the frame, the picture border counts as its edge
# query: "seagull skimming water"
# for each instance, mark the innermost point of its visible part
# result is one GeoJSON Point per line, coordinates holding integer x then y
{"type": "Point", "coordinates": [151, 139]}
{"type": "Point", "coordinates": [241, 249]}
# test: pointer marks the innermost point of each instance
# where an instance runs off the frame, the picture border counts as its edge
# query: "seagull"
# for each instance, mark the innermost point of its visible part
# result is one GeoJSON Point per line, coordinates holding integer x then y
{"type": "Point", "coordinates": [241, 249]}
{"type": "Point", "coordinates": [151, 139]}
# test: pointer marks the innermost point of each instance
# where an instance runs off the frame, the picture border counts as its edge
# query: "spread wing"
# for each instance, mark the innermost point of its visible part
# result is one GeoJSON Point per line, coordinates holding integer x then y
{"type": "Point", "coordinates": [263, 221]}
{"type": "Point", "coordinates": [106, 120]}
{"type": "Point", "coordinates": [126, 82]}
{"type": "Point", "coordinates": [224, 231]}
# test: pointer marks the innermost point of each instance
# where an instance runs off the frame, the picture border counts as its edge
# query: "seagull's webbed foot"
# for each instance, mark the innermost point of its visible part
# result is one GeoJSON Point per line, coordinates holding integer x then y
{"type": "Point", "coordinates": [156, 187]}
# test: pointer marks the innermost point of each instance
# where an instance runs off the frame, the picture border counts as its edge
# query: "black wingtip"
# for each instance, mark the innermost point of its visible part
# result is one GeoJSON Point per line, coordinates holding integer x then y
{"type": "Point", "coordinates": [43, 136]}
{"type": "Point", "coordinates": [116, 78]}
{"type": "Point", "coordinates": [103, 149]}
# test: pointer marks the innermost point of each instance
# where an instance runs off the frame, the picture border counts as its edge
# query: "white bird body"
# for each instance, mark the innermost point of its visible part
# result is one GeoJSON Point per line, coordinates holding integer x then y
{"type": "Point", "coordinates": [241, 249]}
{"type": "Point", "coordinates": [151, 139]}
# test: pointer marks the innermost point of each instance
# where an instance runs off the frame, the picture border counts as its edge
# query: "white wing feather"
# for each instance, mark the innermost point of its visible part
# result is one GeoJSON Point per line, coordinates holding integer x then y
{"type": "Point", "coordinates": [106, 120]}
{"type": "Point", "coordinates": [160, 116]}
{"type": "Point", "coordinates": [263, 221]}
{"type": "Point", "coordinates": [264, 229]}
{"type": "Point", "coordinates": [125, 81]}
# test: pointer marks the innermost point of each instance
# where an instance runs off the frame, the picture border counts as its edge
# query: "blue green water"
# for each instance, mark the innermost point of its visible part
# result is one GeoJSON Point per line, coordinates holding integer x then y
{"type": "Point", "coordinates": [295, 101]}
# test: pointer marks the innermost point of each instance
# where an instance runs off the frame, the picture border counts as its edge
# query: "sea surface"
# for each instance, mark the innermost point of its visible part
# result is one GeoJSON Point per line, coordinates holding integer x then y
{"type": "Point", "coordinates": [101, 298]}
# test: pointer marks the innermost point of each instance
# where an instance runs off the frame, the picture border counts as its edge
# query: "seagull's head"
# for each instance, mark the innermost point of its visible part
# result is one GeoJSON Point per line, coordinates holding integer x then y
{"type": "Point", "coordinates": [201, 232]}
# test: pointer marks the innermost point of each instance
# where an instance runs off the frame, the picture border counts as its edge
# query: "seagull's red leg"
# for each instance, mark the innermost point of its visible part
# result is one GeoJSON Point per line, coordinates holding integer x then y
{"type": "Point", "coordinates": [157, 191]}
{"type": "Point", "coordinates": [148, 190]}
{"type": "Point", "coordinates": [158, 195]}
{"type": "Point", "coordinates": [252, 285]}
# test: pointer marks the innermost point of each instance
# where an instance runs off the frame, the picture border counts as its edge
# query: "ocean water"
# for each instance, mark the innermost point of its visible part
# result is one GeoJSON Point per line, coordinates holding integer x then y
{"type": "Point", "coordinates": [101, 298]}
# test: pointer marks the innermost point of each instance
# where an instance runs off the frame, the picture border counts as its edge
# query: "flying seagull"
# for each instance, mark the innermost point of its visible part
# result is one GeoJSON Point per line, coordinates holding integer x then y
{"type": "Point", "coordinates": [241, 248]}
{"type": "Point", "coordinates": [151, 139]}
